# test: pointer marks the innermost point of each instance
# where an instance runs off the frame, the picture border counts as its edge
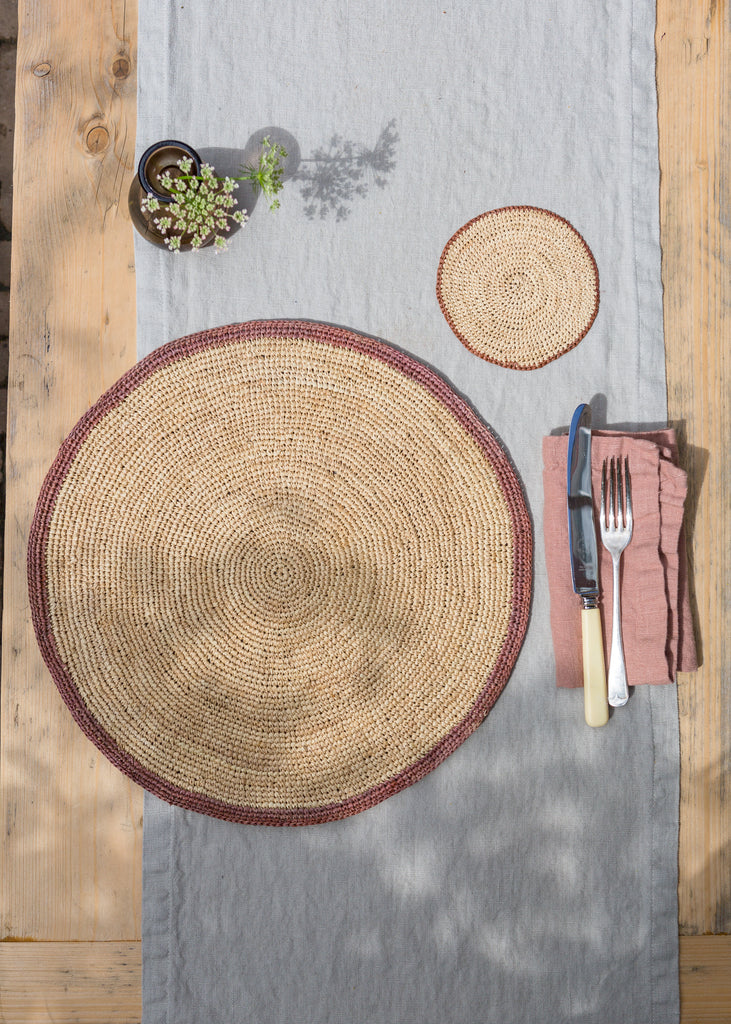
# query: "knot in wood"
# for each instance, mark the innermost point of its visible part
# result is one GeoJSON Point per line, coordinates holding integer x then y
{"type": "Point", "coordinates": [97, 139]}
{"type": "Point", "coordinates": [121, 67]}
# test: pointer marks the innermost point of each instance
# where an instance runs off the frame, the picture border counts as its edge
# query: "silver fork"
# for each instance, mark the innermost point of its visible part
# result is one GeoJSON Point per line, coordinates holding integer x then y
{"type": "Point", "coordinates": [615, 522]}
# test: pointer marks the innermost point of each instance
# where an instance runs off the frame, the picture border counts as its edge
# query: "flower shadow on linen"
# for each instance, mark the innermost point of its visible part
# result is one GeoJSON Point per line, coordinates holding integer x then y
{"type": "Point", "coordinates": [344, 171]}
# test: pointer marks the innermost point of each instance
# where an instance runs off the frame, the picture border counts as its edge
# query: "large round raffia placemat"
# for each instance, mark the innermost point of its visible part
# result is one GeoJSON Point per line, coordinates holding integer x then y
{"type": "Point", "coordinates": [519, 286]}
{"type": "Point", "coordinates": [279, 572]}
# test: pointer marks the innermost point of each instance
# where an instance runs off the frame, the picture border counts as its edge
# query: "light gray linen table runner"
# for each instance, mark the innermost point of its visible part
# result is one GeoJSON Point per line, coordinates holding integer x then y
{"type": "Point", "coordinates": [532, 876]}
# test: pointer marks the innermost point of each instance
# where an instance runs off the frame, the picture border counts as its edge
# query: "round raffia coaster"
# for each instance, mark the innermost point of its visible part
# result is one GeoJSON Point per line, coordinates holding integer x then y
{"type": "Point", "coordinates": [279, 572]}
{"type": "Point", "coordinates": [518, 286]}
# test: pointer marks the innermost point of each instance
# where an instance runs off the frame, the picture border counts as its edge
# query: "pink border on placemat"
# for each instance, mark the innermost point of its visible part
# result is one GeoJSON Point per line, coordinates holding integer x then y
{"type": "Point", "coordinates": [219, 337]}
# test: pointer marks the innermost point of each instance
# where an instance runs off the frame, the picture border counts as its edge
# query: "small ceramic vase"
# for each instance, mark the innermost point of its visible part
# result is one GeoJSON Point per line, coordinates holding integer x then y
{"type": "Point", "coordinates": [160, 159]}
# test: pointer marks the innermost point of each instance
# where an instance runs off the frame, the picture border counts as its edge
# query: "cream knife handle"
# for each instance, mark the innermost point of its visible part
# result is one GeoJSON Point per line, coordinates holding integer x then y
{"type": "Point", "coordinates": [596, 709]}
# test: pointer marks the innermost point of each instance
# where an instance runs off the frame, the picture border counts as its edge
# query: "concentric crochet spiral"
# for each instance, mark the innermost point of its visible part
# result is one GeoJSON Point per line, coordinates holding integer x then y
{"type": "Point", "coordinates": [518, 286]}
{"type": "Point", "coordinates": [279, 572]}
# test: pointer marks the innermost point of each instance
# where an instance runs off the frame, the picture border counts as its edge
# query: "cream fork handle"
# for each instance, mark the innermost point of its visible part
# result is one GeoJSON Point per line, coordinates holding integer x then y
{"type": "Point", "coordinates": [617, 691]}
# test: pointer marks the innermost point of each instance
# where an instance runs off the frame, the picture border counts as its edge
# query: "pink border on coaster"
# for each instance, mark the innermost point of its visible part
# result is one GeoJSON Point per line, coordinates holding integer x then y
{"type": "Point", "coordinates": [450, 321]}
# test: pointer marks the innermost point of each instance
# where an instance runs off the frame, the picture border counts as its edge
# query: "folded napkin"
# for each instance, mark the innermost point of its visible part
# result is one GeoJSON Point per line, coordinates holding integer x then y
{"type": "Point", "coordinates": [657, 628]}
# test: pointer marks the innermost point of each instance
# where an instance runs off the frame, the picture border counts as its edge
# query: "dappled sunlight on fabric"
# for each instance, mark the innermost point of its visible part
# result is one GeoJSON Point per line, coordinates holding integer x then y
{"type": "Point", "coordinates": [415, 873]}
{"type": "Point", "coordinates": [366, 943]}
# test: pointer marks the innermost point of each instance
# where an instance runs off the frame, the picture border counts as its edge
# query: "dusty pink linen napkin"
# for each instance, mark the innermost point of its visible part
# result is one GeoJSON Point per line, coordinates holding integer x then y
{"type": "Point", "coordinates": [657, 627]}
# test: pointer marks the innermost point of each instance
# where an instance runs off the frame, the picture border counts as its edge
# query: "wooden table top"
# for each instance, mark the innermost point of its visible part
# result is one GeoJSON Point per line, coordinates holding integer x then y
{"type": "Point", "coordinates": [72, 841]}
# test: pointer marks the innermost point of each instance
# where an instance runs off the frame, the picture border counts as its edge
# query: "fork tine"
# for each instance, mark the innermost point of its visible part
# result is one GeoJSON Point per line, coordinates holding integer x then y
{"type": "Point", "coordinates": [621, 522]}
{"type": "Point", "coordinates": [602, 513]}
{"type": "Point", "coordinates": [628, 492]}
{"type": "Point", "coordinates": [612, 508]}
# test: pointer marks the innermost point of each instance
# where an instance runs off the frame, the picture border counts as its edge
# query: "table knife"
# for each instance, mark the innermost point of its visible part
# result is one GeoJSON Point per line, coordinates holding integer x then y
{"type": "Point", "coordinates": [585, 566]}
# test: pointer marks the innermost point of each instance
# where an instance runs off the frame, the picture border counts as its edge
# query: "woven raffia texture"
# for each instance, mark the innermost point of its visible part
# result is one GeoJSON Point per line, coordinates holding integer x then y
{"type": "Point", "coordinates": [518, 286]}
{"type": "Point", "coordinates": [279, 572]}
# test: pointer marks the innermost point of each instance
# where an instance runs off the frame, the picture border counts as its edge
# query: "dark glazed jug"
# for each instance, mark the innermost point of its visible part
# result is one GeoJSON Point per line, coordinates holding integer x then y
{"type": "Point", "coordinates": [158, 160]}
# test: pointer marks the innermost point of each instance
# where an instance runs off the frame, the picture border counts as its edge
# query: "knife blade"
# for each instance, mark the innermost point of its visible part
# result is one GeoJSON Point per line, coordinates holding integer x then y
{"type": "Point", "coordinates": [585, 565]}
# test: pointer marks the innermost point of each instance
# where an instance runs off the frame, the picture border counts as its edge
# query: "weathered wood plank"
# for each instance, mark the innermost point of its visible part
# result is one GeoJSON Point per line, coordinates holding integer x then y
{"type": "Point", "coordinates": [71, 851]}
{"type": "Point", "coordinates": [70, 982]}
{"type": "Point", "coordinates": [705, 979]}
{"type": "Point", "coordinates": [693, 42]}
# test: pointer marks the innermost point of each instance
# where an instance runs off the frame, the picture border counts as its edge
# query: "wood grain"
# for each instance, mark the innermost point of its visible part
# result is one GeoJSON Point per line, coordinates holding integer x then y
{"type": "Point", "coordinates": [705, 979]}
{"type": "Point", "coordinates": [694, 115]}
{"type": "Point", "coordinates": [70, 982]}
{"type": "Point", "coordinates": [71, 855]}
{"type": "Point", "coordinates": [71, 851]}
